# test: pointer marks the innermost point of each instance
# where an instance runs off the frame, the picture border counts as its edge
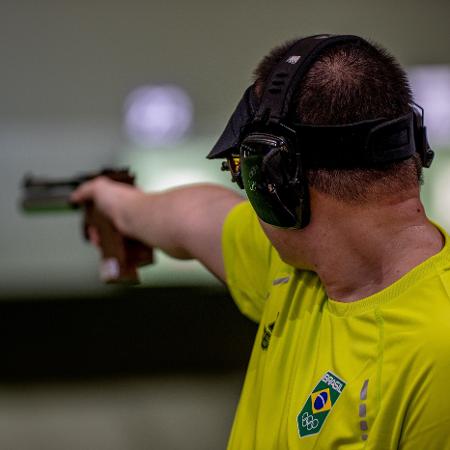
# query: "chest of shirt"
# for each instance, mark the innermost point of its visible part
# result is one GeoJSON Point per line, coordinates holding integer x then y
{"type": "Point", "coordinates": [314, 378]}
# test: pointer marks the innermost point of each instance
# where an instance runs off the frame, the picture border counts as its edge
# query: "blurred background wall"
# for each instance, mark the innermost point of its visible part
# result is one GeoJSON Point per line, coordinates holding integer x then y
{"type": "Point", "coordinates": [84, 365]}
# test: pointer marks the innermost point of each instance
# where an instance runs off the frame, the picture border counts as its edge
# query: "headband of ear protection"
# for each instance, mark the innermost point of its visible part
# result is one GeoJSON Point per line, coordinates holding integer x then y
{"type": "Point", "coordinates": [268, 150]}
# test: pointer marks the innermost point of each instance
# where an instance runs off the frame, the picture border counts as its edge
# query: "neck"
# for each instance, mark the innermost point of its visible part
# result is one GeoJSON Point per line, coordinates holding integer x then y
{"type": "Point", "coordinates": [359, 253]}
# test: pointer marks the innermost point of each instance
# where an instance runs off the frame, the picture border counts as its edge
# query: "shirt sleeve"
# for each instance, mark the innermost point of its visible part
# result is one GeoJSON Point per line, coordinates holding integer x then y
{"type": "Point", "coordinates": [247, 254]}
{"type": "Point", "coordinates": [427, 423]}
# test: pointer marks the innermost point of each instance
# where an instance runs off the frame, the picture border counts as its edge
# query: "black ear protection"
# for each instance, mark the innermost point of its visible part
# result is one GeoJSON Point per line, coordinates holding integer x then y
{"type": "Point", "coordinates": [267, 151]}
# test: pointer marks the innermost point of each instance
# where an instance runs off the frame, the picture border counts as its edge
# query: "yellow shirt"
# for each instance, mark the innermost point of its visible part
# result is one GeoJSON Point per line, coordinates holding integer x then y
{"type": "Point", "coordinates": [372, 374]}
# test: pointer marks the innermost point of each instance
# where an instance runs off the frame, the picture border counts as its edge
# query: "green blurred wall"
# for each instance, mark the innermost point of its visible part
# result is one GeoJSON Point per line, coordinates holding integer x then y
{"type": "Point", "coordinates": [77, 59]}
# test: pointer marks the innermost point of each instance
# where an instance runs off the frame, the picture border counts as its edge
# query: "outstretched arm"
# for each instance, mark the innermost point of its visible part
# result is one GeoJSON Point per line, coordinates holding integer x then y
{"type": "Point", "coordinates": [185, 222]}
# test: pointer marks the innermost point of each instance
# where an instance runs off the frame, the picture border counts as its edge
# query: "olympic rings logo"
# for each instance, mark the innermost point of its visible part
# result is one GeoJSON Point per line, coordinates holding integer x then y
{"type": "Point", "coordinates": [309, 421]}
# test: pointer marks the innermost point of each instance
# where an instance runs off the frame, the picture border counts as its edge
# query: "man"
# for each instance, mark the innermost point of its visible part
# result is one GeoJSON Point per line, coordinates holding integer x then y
{"type": "Point", "coordinates": [347, 277]}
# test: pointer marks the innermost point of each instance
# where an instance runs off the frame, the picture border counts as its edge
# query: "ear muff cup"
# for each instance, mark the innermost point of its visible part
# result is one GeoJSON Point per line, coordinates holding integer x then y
{"type": "Point", "coordinates": [270, 180]}
{"type": "Point", "coordinates": [274, 168]}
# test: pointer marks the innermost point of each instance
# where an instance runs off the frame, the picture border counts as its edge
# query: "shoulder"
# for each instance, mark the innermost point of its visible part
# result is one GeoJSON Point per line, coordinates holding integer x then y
{"type": "Point", "coordinates": [249, 260]}
{"type": "Point", "coordinates": [419, 336]}
{"type": "Point", "coordinates": [416, 324]}
{"type": "Point", "coordinates": [244, 241]}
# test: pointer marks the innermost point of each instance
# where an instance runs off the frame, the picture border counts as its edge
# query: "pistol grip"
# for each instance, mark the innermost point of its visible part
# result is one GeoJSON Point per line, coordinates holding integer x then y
{"type": "Point", "coordinates": [120, 255]}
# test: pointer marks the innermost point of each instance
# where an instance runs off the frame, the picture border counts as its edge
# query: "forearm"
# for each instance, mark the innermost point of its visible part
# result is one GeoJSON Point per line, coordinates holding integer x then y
{"type": "Point", "coordinates": [184, 222]}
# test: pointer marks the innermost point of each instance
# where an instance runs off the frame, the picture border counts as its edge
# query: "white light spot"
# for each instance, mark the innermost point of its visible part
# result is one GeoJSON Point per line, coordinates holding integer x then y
{"type": "Point", "coordinates": [158, 115]}
{"type": "Point", "coordinates": [431, 87]}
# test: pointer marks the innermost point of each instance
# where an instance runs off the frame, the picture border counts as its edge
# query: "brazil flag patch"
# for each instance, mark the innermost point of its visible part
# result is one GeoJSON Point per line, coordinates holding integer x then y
{"type": "Point", "coordinates": [319, 404]}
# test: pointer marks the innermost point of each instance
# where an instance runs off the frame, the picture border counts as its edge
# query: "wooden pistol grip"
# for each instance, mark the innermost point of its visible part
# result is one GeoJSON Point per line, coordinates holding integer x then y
{"type": "Point", "coordinates": [139, 253]}
{"type": "Point", "coordinates": [120, 255]}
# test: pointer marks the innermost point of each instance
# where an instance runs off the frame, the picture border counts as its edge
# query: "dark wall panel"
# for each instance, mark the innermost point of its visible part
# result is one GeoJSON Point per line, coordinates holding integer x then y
{"type": "Point", "coordinates": [134, 331]}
